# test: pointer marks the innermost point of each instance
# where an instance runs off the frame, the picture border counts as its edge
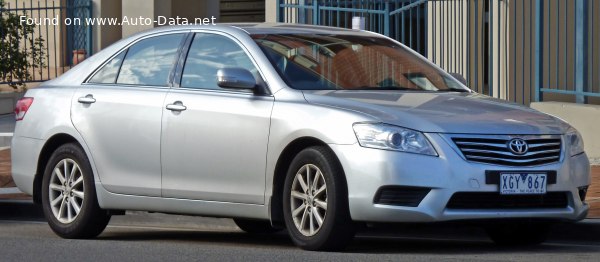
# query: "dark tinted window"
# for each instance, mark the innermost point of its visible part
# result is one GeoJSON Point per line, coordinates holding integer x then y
{"type": "Point", "coordinates": [149, 61]}
{"type": "Point", "coordinates": [209, 53]}
{"type": "Point", "coordinates": [108, 73]}
{"type": "Point", "coordinates": [351, 62]}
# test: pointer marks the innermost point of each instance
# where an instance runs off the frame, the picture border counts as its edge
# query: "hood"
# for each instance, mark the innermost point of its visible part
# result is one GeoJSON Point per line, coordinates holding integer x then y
{"type": "Point", "coordinates": [442, 112]}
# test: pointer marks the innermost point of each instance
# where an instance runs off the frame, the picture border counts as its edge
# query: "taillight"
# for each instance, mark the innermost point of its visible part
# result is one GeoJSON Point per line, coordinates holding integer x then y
{"type": "Point", "coordinates": [22, 106]}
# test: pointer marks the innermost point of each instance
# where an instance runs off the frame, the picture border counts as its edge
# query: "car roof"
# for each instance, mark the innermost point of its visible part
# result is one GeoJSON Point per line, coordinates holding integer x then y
{"type": "Point", "coordinates": [266, 28]}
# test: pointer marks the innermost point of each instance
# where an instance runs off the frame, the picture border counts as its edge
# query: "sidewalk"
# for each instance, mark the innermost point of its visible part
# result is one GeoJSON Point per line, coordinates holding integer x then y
{"type": "Point", "coordinates": [8, 188]}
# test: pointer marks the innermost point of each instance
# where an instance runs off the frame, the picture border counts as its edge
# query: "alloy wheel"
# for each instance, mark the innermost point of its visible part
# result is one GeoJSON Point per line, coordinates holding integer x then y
{"type": "Point", "coordinates": [66, 191]}
{"type": "Point", "coordinates": [308, 199]}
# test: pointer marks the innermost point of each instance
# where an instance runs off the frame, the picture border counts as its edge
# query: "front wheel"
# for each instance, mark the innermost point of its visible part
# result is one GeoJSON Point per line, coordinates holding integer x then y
{"type": "Point", "coordinates": [315, 201]}
{"type": "Point", "coordinates": [69, 196]}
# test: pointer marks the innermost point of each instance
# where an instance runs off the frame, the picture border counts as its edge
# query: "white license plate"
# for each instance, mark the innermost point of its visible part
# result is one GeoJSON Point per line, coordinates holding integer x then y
{"type": "Point", "coordinates": [522, 183]}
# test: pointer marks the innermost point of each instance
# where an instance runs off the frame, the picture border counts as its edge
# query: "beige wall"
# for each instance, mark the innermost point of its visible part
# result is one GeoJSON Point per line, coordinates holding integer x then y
{"type": "Point", "coordinates": [105, 35]}
{"type": "Point", "coordinates": [583, 117]}
{"type": "Point", "coordinates": [271, 11]}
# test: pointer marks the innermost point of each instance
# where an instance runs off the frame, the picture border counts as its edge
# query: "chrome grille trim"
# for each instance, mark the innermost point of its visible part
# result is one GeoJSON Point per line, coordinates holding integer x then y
{"type": "Point", "coordinates": [493, 149]}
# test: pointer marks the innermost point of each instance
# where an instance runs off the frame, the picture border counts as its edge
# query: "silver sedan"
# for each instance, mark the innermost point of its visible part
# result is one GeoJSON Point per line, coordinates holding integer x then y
{"type": "Point", "coordinates": [311, 129]}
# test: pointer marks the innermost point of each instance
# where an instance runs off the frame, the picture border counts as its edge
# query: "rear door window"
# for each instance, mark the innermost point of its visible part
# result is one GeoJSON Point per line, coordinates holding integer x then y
{"type": "Point", "coordinates": [108, 73]}
{"type": "Point", "coordinates": [149, 61]}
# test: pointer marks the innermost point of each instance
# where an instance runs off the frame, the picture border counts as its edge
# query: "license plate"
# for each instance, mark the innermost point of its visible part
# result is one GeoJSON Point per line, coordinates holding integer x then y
{"type": "Point", "coordinates": [522, 183]}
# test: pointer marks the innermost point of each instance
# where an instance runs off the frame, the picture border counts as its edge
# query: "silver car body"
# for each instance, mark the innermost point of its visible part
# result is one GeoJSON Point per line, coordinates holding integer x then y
{"type": "Point", "coordinates": [219, 157]}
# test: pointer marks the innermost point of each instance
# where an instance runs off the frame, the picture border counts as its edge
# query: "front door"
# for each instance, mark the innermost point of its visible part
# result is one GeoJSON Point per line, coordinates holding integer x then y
{"type": "Point", "coordinates": [214, 141]}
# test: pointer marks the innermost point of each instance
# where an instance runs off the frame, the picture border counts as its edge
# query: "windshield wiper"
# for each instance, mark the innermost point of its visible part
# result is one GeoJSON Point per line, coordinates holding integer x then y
{"type": "Point", "coordinates": [385, 88]}
{"type": "Point", "coordinates": [454, 90]}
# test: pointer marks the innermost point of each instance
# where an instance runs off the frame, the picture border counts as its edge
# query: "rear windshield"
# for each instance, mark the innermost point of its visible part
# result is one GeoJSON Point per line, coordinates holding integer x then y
{"type": "Point", "coordinates": [326, 62]}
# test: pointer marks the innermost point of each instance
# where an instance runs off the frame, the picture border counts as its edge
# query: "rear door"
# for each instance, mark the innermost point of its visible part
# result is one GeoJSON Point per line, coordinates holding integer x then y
{"type": "Point", "coordinates": [214, 147]}
{"type": "Point", "coordinates": [118, 113]}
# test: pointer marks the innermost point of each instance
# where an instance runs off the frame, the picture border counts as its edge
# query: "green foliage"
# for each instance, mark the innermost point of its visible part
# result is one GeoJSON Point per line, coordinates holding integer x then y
{"type": "Point", "coordinates": [21, 53]}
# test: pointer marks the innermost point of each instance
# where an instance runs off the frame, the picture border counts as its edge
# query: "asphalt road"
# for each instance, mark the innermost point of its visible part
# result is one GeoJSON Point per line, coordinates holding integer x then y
{"type": "Point", "coordinates": [139, 236]}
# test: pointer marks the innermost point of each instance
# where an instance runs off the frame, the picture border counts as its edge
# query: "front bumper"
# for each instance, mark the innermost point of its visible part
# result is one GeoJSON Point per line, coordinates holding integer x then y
{"type": "Point", "coordinates": [367, 170]}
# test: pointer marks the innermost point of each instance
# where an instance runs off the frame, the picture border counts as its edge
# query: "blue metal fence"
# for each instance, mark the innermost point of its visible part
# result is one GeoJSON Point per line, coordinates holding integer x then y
{"type": "Point", "coordinates": [519, 50]}
{"type": "Point", "coordinates": [59, 40]}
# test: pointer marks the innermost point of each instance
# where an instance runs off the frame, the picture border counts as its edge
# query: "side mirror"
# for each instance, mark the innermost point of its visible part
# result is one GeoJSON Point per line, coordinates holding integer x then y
{"type": "Point", "coordinates": [234, 77]}
{"type": "Point", "coordinates": [460, 78]}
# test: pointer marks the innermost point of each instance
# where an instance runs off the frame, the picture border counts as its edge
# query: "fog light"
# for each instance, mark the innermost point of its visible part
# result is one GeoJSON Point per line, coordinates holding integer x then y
{"type": "Point", "coordinates": [582, 193]}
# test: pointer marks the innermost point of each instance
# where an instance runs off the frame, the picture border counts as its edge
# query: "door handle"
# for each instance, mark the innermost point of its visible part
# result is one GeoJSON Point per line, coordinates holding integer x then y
{"type": "Point", "coordinates": [177, 106]}
{"type": "Point", "coordinates": [88, 99]}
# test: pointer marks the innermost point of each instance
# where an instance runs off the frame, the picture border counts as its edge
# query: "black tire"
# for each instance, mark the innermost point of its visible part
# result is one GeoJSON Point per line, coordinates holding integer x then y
{"type": "Point", "coordinates": [518, 234]}
{"type": "Point", "coordinates": [90, 221]}
{"type": "Point", "coordinates": [337, 228]}
{"type": "Point", "coordinates": [255, 226]}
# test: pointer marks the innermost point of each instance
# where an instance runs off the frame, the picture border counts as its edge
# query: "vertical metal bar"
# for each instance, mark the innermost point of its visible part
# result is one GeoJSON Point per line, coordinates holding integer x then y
{"type": "Point", "coordinates": [301, 12]}
{"type": "Point", "coordinates": [499, 61]}
{"type": "Point", "coordinates": [410, 27]}
{"type": "Point", "coordinates": [277, 11]}
{"type": "Point", "coordinates": [315, 10]}
{"type": "Point", "coordinates": [426, 25]}
{"type": "Point", "coordinates": [581, 48]}
{"type": "Point", "coordinates": [506, 53]}
{"type": "Point", "coordinates": [434, 32]}
{"type": "Point", "coordinates": [419, 29]}
{"type": "Point", "coordinates": [468, 76]}
{"type": "Point", "coordinates": [47, 41]}
{"type": "Point", "coordinates": [338, 16]}
{"type": "Point", "coordinates": [566, 61]}
{"type": "Point", "coordinates": [490, 46]}
{"type": "Point", "coordinates": [514, 60]}
{"type": "Point", "coordinates": [531, 50]}
{"type": "Point", "coordinates": [447, 37]}
{"type": "Point", "coordinates": [539, 48]}
{"type": "Point", "coordinates": [593, 45]}
{"type": "Point", "coordinates": [442, 36]}
{"type": "Point", "coordinates": [55, 51]}
{"type": "Point", "coordinates": [547, 75]}
{"type": "Point", "coordinates": [89, 29]}
{"type": "Point", "coordinates": [476, 46]}
{"type": "Point", "coordinates": [454, 36]}
{"type": "Point", "coordinates": [39, 36]}
{"type": "Point", "coordinates": [462, 61]}
{"type": "Point", "coordinates": [557, 46]}
{"type": "Point", "coordinates": [591, 83]}
{"type": "Point", "coordinates": [523, 52]}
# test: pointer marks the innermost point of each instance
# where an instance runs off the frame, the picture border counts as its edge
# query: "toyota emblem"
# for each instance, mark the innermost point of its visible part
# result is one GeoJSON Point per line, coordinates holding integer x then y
{"type": "Point", "coordinates": [518, 146]}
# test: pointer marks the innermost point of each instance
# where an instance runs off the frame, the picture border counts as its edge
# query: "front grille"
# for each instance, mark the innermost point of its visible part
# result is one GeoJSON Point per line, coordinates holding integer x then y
{"type": "Point", "coordinates": [401, 195]}
{"type": "Point", "coordinates": [495, 150]}
{"type": "Point", "coordinates": [493, 200]}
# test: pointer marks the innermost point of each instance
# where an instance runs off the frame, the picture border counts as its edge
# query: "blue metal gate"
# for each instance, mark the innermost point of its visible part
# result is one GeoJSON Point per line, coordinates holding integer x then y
{"type": "Point", "coordinates": [519, 50]}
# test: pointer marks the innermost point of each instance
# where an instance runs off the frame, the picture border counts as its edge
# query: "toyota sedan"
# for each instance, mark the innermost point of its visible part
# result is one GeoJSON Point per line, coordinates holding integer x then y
{"type": "Point", "coordinates": [315, 130]}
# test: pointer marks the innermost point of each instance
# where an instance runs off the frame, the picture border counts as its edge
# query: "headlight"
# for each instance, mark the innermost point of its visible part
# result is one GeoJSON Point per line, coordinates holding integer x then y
{"type": "Point", "coordinates": [575, 142]}
{"type": "Point", "coordinates": [382, 136]}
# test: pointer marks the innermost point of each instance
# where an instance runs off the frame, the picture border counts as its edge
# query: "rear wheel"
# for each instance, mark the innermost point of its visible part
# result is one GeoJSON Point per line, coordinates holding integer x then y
{"type": "Point", "coordinates": [316, 201]}
{"type": "Point", "coordinates": [69, 196]}
{"type": "Point", "coordinates": [255, 226]}
{"type": "Point", "coordinates": [518, 234]}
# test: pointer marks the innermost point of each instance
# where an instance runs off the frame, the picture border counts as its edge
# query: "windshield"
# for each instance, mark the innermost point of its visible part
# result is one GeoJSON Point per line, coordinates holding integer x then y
{"type": "Point", "coordinates": [351, 62]}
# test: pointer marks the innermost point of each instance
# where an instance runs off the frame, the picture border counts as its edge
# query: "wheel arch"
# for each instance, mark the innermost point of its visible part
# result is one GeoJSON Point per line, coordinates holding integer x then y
{"type": "Point", "coordinates": [280, 172]}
